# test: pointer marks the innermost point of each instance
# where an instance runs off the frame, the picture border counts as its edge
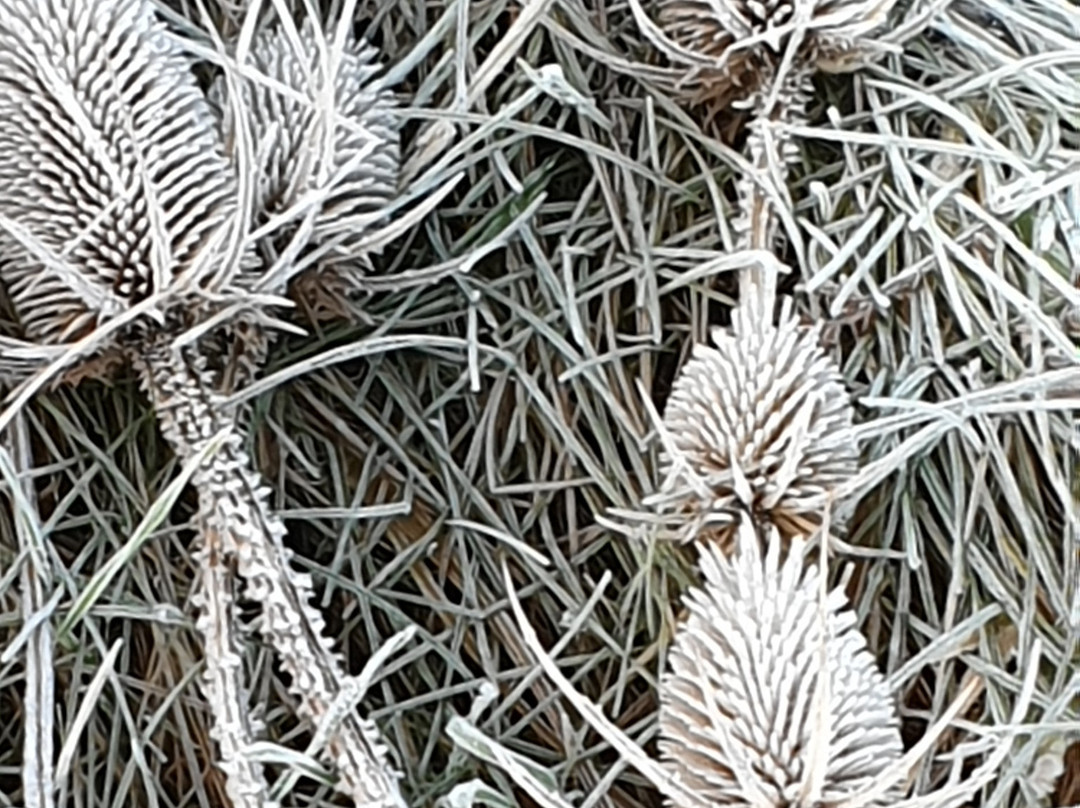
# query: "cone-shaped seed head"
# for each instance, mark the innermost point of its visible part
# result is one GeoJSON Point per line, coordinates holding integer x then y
{"type": "Point", "coordinates": [339, 136]}
{"type": "Point", "coordinates": [761, 424]}
{"type": "Point", "coordinates": [752, 35]}
{"type": "Point", "coordinates": [111, 165]}
{"type": "Point", "coordinates": [740, 716]}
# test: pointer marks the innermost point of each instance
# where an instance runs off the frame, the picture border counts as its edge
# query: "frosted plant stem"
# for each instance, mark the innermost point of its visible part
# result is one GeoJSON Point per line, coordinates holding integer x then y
{"type": "Point", "coordinates": [179, 408]}
{"type": "Point", "coordinates": [759, 195]}
{"type": "Point", "coordinates": [223, 679]}
{"type": "Point", "coordinates": [235, 514]}
{"type": "Point", "coordinates": [758, 283]}
{"type": "Point", "coordinates": [38, 703]}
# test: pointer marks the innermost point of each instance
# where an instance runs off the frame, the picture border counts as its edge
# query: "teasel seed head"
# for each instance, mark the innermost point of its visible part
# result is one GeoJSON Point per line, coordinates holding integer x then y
{"type": "Point", "coordinates": [347, 152]}
{"type": "Point", "coordinates": [760, 428]}
{"type": "Point", "coordinates": [114, 178]}
{"type": "Point", "coordinates": [738, 46]}
{"type": "Point", "coordinates": [759, 656]}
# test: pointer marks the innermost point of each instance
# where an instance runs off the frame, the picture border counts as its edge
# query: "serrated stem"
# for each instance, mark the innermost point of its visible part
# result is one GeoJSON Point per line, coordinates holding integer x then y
{"type": "Point", "coordinates": [236, 512]}
{"type": "Point", "coordinates": [223, 679]}
{"type": "Point", "coordinates": [179, 406]}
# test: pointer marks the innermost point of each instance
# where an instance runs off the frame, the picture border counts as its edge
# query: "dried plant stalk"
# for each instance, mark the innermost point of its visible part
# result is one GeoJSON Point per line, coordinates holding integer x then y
{"type": "Point", "coordinates": [223, 681]}
{"type": "Point", "coordinates": [759, 56]}
{"type": "Point", "coordinates": [235, 512]}
{"type": "Point", "coordinates": [760, 428]}
{"type": "Point", "coordinates": [183, 413]}
{"type": "Point", "coordinates": [764, 188]}
{"type": "Point", "coordinates": [772, 698]}
{"type": "Point", "coordinates": [114, 184]}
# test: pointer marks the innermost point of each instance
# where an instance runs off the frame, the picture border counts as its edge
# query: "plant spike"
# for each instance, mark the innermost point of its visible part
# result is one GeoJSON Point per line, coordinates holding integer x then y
{"type": "Point", "coordinates": [329, 138]}
{"type": "Point", "coordinates": [772, 698]}
{"type": "Point", "coordinates": [115, 186]}
{"type": "Point", "coordinates": [114, 178]}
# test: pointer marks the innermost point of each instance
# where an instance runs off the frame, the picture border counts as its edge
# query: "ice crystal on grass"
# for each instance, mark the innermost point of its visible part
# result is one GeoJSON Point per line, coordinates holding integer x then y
{"type": "Point", "coordinates": [759, 656]}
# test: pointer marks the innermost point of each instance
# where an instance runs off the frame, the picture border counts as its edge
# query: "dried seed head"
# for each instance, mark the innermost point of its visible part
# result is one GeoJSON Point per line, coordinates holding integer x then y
{"type": "Point", "coordinates": [113, 174]}
{"type": "Point", "coordinates": [746, 40]}
{"type": "Point", "coordinates": [334, 139]}
{"type": "Point", "coordinates": [740, 721]}
{"type": "Point", "coordinates": [760, 427]}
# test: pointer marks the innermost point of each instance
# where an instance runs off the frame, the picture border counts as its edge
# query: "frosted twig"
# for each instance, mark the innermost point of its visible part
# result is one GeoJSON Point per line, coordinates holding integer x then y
{"type": "Point", "coordinates": [234, 512]}
{"type": "Point", "coordinates": [180, 407]}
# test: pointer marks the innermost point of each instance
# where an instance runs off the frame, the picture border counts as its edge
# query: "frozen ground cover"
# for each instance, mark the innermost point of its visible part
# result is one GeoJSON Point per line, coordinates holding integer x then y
{"type": "Point", "coordinates": [468, 455]}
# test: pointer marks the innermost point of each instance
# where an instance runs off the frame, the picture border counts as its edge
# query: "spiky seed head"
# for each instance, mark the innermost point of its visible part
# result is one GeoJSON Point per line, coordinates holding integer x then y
{"type": "Point", "coordinates": [113, 174]}
{"type": "Point", "coordinates": [760, 427]}
{"type": "Point", "coordinates": [759, 655]}
{"type": "Point", "coordinates": [750, 37]}
{"type": "Point", "coordinates": [334, 131]}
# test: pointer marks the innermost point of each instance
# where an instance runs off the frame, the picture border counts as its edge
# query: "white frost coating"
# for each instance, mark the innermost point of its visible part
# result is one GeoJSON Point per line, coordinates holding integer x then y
{"type": "Point", "coordinates": [738, 717]}
{"type": "Point", "coordinates": [223, 679]}
{"type": "Point", "coordinates": [115, 184]}
{"type": "Point", "coordinates": [182, 413]}
{"type": "Point", "coordinates": [110, 160]}
{"type": "Point", "coordinates": [762, 426]}
{"type": "Point", "coordinates": [339, 137]}
{"type": "Point", "coordinates": [233, 504]}
{"type": "Point", "coordinates": [760, 55]}
{"type": "Point", "coordinates": [747, 41]}
{"type": "Point", "coordinates": [113, 180]}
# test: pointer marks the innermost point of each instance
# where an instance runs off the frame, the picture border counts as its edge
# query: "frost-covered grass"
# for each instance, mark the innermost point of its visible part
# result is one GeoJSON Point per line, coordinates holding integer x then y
{"type": "Point", "coordinates": [469, 440]}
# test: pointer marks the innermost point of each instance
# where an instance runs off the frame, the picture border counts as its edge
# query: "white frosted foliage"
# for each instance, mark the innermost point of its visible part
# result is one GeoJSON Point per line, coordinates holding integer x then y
{"type": "Point", "coordinates": [113, 174]}
{"type": "Point", "coordinates": [233, 505]}
{"type": "Point", "coordinates": [747, 41]}
{"type": "Point", "coordinates": [333, 135]}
